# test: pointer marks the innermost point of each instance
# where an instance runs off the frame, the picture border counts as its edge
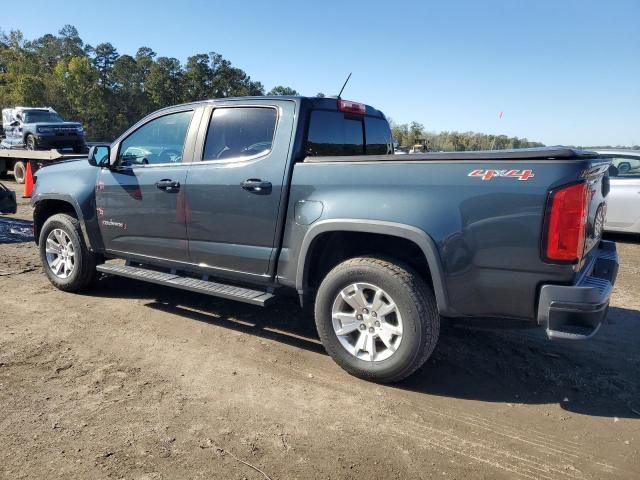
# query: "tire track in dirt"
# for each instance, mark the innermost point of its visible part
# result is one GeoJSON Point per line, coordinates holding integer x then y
{"type": "Point", "coordinates": [492, 452]}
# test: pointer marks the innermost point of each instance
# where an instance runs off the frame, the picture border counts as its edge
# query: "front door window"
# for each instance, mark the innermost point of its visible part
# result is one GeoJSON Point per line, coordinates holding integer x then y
{"type": "Point", "coordinates": [161, 141]}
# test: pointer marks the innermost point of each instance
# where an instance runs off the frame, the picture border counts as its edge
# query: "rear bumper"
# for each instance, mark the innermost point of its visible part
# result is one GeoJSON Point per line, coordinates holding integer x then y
{"type": "Point", "coordinates": [577, 311]}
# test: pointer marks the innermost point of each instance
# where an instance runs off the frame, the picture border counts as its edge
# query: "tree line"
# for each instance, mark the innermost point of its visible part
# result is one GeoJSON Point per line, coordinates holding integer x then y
{"type": "Point", "coordinates": [107, 91]}
{"type": "Point", "coordinates": [414, 133]}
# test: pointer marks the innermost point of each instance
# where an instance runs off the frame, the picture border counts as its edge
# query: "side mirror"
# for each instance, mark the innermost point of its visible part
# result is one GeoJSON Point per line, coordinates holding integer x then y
{"type": "Point", "coordinates": [99, 155]}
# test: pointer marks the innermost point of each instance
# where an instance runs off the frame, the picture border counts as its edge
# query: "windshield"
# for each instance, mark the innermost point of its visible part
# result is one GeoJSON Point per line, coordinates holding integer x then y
{"type": "Point", "coordinates": [42, 117]}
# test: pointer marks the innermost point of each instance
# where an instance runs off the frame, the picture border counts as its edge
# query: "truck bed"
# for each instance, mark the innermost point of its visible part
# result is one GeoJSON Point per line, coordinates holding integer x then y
{"type": "Point", "coordinates": [487, 228]}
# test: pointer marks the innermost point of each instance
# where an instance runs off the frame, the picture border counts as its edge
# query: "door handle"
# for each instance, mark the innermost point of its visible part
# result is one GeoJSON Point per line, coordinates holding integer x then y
{"type": "Point", "coordinates": [255, 185]}
{"type": "Point", "coordinates": [168, 185]}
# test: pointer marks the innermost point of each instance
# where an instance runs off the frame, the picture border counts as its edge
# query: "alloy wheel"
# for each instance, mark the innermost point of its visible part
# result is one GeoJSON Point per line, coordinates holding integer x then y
{"type": "Point", "coordinates": [60, 253]}
{"type": "Point", "coordinates": [367, 322]}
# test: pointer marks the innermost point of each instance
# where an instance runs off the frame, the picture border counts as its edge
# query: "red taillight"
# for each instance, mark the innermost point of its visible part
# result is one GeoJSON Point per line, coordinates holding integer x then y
{"type": "Point", "coordinates": [351, 107]}
{"type": "Point", "coordinates": [567, 223]}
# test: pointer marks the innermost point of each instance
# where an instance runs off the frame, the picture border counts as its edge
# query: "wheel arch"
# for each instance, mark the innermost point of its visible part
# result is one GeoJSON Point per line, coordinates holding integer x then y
{"type": "Point", "coordinates": [47, 206]}
{"type": "Point", "coordinates": [407, 233]}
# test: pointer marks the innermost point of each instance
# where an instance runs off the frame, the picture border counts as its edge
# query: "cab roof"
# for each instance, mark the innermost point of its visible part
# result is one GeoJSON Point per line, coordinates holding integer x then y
{"type": "Point", "coordinates": [312, 103]}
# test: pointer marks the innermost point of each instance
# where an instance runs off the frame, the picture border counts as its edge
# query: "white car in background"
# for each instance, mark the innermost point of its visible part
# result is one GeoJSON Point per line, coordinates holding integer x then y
{"type": "Point", "coordinates": [623, 205]}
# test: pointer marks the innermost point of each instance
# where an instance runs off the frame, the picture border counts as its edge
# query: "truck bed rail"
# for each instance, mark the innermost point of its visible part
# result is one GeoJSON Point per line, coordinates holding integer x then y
{"type": "Point", "coordinates": [544, 153]}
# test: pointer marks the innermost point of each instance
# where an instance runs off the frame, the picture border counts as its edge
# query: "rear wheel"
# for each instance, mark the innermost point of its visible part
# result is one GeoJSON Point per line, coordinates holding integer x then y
{"type": "Point", "coordinates": [19, 172]}
{"type": "Point", "coordinates": [624, 168]}
{"type": "Point", "coordinates": [378, 320]}
{"type": "Point", "coordinates": [66, 260]}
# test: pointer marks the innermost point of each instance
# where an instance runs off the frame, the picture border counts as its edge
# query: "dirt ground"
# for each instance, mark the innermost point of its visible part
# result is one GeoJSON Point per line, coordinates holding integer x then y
{"type": "Point", "coordinates": [136, 381]}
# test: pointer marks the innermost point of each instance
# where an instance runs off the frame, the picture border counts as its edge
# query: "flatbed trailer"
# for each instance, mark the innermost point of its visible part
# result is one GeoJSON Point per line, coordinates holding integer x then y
{"type": "Point", "coordinates": [16, 160]}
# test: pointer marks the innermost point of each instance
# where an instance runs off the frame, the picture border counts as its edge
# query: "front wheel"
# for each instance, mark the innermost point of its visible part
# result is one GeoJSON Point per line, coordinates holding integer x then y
{"type": "Point", "coordinates": [377, 319]}
{"type": "Point", "coordinates": [30, 142]}
{"type": "Point", "coordinates": [66, 260]}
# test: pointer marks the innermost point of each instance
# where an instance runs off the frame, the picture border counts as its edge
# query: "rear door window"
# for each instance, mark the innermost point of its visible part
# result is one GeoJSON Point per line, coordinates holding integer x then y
{"type": "Point", "coordinates": [378, 136]}
{"type": "Point", "coordinates": [240, 132]}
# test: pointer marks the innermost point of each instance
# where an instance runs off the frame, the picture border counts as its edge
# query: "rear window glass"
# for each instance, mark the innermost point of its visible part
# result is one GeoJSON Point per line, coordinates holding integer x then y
{"type": "Point", "coordinates": [378, 135]}
{"type": "Point", "coordinates": [336, 134]}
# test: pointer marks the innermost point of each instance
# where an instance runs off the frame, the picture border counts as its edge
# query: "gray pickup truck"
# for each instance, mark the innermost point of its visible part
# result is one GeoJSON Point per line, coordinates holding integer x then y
{"type": "Point", "coordinates": [250, 198]}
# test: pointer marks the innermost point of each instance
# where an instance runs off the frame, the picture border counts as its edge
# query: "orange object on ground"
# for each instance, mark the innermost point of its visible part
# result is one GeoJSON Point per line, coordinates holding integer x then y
{"type": "Point", "coordinates": [28, 182]}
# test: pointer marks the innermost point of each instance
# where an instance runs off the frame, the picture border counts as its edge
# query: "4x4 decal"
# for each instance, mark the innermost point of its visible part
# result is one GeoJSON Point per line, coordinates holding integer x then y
{"type": "Point", "coordinates": [486, 175]}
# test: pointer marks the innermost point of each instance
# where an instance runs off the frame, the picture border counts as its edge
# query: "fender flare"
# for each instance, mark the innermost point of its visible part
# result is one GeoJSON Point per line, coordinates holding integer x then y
{"type": "Point", "coordinates": [71, 201]}
{"type": "Point", "coordinates": [409, 232]}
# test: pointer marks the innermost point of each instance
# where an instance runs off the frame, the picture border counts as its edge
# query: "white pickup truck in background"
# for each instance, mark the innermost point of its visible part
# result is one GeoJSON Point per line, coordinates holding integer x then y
{"type": "Point", "coordinates": [623, 210]}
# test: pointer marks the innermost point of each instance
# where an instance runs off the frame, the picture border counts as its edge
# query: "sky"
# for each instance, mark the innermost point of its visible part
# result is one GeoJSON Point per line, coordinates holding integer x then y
{"type": "Point", "coordinates": [562, 71]}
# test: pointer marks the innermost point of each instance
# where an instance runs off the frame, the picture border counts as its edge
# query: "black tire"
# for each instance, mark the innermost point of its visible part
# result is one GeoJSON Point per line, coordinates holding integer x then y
{"type": "Point", "coordinates": [80, 149]}
{"type": "Point", "coordinates": [30, 142]}
{"type": "Point", "coordinates": [84, 271]}
{"type": "Point", "coordinates": [19, 172]}
{"type": "Point", "coordinates": [415, 302]}
{"type": "Point", "coordinates": [624, 168]}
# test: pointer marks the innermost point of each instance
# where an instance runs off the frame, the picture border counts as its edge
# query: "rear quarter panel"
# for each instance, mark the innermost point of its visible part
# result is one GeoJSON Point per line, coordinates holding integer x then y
{"type": "Point", "coordinates": [487, 232]}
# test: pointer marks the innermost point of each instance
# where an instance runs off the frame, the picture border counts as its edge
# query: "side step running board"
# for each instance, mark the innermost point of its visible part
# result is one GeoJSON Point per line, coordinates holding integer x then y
{"type": "Point", "coordinates": [231, 292]}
